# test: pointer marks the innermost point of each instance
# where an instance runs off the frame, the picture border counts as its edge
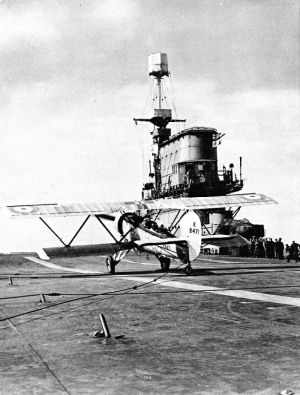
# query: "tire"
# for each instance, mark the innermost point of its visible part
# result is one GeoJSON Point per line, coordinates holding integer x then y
{"type": "Point", "coordinates": [188, 270]}
{"type": "Point", "coordinates": [110, 264]}
{"type": "Point", "coordinates": [165, 264]}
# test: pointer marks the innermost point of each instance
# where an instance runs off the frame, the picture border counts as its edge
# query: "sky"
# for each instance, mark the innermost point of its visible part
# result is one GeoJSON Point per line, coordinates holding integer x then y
{"type": "Point", "coordinates": [74, 74]}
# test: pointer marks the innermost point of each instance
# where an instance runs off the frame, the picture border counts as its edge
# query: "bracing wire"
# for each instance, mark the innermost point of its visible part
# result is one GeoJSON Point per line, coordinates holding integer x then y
{"type": "Point", "coordinates": [149, 93]}
{"type": "Point", "coordinates": [110, 295]}
{"type": "Point", "coordinates": [164, 95]}
{"type": "Point", "coordinates": [141, 131]}
{"type": "Point", "coordinates": [173, 96]}
{"type": "Point", "coordinates": [128, 292]}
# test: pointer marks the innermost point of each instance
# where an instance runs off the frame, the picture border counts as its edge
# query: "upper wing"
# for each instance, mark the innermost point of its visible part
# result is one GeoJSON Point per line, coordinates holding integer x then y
{"type": "Point", "coordinates": [204, 203]}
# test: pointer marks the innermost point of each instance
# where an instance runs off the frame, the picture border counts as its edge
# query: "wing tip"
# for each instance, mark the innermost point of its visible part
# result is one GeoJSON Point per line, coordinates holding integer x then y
{"type": "Point", "coordinates": [42, 254]}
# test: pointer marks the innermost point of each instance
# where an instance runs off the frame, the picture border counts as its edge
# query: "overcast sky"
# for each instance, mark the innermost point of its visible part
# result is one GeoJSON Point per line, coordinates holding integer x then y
{"type": "Point", "coordinates": [74, 73]}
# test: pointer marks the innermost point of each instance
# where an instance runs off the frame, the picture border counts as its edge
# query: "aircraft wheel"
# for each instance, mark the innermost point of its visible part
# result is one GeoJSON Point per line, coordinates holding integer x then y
{"type": "Point", "coordinates": [165, 264]}
{"type": "Point", "coordinates": [110, 263]}
{"type": "Point", "coordinates": [188, 270]}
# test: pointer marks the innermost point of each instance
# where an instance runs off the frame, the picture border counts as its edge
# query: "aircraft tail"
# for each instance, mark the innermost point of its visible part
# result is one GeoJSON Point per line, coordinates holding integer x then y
{"type": "Point", "coordinates": [190, 228]}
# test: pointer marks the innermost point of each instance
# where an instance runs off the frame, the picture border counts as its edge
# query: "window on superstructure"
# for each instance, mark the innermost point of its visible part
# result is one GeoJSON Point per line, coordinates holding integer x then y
{"type": "Point", "coordinates": [174, 169]}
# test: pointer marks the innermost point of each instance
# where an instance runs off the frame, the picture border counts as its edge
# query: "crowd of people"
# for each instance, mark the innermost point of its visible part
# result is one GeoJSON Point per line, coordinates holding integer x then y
{"type": "Point", "coordinates": [274, 249]}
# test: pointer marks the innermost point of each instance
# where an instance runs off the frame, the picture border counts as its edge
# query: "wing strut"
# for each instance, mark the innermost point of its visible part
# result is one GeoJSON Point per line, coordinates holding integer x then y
{"type": "Point", "coordinates": [106, 228]}
{"type": "Point", "coordinates": [124, 236]}
{"type": "Point", "coordinates": [157, 215]}
{"type": "Point", "coordinates": [78, 231]}
{"type": "Point", "coordinates": [82, 225]}
{"type": "Point", "coordinates": [176, 216]}
{"type": "Point", "coordinates": [203, 224]}
{"type": "Point", "coordinates": [59, 238]}
{"type": "Point", "coordinates": [49, 227]}
{"type": "Point", "coordinates": [227, 221]}
{"type": "Point", "coordinates": [174, 226]}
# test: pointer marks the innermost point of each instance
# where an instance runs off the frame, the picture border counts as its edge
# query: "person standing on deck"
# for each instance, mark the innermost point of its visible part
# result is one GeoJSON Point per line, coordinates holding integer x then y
{"type": "Point", "coordinates": [280, 249]}
{"type": "Point", "coordinates": [272, 248]}
{"type": "Point", "coordinates": [294, 252]}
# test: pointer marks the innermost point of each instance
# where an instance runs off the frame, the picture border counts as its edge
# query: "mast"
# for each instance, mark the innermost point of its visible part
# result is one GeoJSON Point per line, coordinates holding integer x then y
{"type": "Point", "coordinates": [160, 117]}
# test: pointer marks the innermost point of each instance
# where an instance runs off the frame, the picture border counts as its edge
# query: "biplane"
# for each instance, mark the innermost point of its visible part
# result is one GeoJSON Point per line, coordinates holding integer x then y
{"type": "Point", "coordinates": [137, 226]}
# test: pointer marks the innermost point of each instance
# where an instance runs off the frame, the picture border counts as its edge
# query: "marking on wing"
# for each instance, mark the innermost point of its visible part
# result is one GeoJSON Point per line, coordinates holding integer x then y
{"type": "Point", "coordinates": [24, 210]}
{"type": "Point", "coordinates": [253, 197]}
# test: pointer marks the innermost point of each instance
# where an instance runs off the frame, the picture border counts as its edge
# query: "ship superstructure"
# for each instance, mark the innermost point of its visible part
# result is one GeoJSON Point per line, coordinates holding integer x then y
{"type": "Point", "coordinates": [186, 163]}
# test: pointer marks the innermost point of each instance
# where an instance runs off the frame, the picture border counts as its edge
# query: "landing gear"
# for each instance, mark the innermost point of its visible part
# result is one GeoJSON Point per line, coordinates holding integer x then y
{"type": "Point", "coordinates": [165, 263]}
{"type": "Point", "coordinates": [111, 264]}
{"type": "Point", "coordinates": [188, 270]}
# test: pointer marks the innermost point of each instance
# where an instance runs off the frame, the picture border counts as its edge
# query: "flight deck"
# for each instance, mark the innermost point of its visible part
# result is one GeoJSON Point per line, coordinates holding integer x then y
{"type": "Point", "coordinates": [232, 327]}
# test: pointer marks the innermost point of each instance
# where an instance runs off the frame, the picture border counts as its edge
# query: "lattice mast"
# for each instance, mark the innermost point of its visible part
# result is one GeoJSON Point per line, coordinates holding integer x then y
{"type": "Point", "coordinates": [159, 117]}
